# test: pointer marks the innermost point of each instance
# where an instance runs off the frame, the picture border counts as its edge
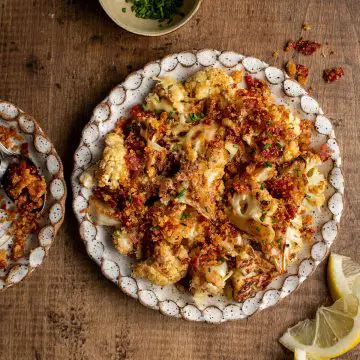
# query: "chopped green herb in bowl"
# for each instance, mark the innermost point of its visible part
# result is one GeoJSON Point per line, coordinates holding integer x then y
{"type": "Point", "coordinates": [162, 10]}
{"type": "Point", "coordinates": [151, 17]}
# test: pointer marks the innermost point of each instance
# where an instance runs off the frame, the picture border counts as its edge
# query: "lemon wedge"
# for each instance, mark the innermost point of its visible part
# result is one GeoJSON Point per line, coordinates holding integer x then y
{"type": "Point", "coordinates": [303, 355]}
{"type": "Point", "coordinates": [342, 273]}
{"type": "Point", "coordinates": [334, 331]}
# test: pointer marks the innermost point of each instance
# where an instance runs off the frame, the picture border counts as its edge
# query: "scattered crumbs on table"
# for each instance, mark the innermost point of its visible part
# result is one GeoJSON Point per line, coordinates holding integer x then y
{"type": "Point", "coordinates": [333, 74]}
{"type": "Point", "coordinates": [306, 27]}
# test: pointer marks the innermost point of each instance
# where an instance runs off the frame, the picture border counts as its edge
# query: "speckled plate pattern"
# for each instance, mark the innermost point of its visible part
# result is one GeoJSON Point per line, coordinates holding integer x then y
{"type": "Point", "coordinates": [168, 300]}
{"type": "Point", "coordinates": [43, 154]}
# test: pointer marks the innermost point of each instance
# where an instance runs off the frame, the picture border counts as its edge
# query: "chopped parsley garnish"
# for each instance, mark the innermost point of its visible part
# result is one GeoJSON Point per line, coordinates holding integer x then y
{"type": "Point", "coordinates": [279, 145]}
{"type": "Point", "coordinates": [183, 224]}
{"type": "Point", "coordinates": [116, 233]}
{"type": "Point", "coordinates": [257, 229]}
{"type": "Point", "coordinates": [266, 146]}
{"type": "Point", "coordinates": [274, 221]}
{"type": "Point", "coordinates": [184, 216]}
{"type": "Point", "coordinates": [206, 209]}
{"type": "Point", "coordinates": [269, 134]}
{"type": "Point", "coordinates": [279, 240]}
{"type": "Point", "coordinates": [181, 194]}
{"type": "Point", "coordinates": [262, 217]}
{"type": "Point", "coordinates": [155, 228]}
{"type": "Point", "coordinates": [171, 114]}
{"type": "Point", "coordinates": [123, 10]}
{"type": "Point", "coordinates": [262, 186]}
{"type": "Point", "coordinates": [170, 86]}
{"type": "Point", "coordinates": [157, 9]}
{"type": "Point", "coordinates": [158, 111]}
{"type": "Point", "coordinates": [267, 164]}
{"type": "Point", "coordinates": [130, 198]}
{"type": "Point", "coordinates": [308, 196]}
{"type": "Point", "coordinates": [195, 117]}
{"type": "Point", "coordinates": [222, 259]}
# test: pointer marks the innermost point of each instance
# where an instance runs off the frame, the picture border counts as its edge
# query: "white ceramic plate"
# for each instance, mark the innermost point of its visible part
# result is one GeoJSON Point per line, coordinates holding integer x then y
{"type": "Point", "coordinates": [168, 299]}
{"type": "Point", "coordinates": [43, 154]}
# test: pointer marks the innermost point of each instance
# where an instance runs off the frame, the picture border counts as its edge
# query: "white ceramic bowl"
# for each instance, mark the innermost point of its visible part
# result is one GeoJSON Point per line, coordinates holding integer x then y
{"type": "Point", "coordinates": [128, 21]}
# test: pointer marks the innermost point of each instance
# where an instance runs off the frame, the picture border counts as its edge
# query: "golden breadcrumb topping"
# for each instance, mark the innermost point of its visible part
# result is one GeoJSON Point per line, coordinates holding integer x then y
{"type": "Point", "coordinates": [210, 184]}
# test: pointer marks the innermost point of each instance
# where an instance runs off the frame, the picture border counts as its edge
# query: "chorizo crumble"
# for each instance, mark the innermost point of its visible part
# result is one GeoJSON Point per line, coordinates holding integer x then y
{"type": "Point", "coordinates": [334, 74]}
{"type": "Point", "coordinates": [304, 47]}
{"type": "Point", "coordinates": [210, 184]}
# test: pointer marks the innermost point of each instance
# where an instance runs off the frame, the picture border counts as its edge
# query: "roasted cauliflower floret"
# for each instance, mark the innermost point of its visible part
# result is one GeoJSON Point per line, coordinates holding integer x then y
{"type": "Point", "coordinates": [316, 183]}
{"type": "Point", "coordinates": [197, 139]}
{"type": "Point", "coordinates": [101, 213]}
{"type": "Point", "coordinates": [252, 213]}
{"type": "Point", "coordinates": [208, 83]}
{"type": "Point", "coordinates": [201, 185]}
{"type": "Point", "coordinates": [252, 273]}
{"type": "Point", "coordinates": [169, 95]}
{"type": "Point", "coordinates": [126, 243]}
{"type": "Point", "coordinates": [89, 176]}
{"type": "Point", "coordinates": [167, 266]}
{"type": "Point", "coordinates": [112, 167]}
{"type": "Point", "coordinates": [210, 280]}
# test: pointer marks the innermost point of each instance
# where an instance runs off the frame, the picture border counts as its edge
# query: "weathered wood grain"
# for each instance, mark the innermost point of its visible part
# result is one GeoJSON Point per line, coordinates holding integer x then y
{"type": "Point", "coordinates": [58, 59]}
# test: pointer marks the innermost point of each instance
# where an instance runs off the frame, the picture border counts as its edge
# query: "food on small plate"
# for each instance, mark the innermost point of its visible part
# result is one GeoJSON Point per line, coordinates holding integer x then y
{"type": "Point", "coordinates": [27, 191]}
{"type": "Point", "coordinates": [25, 186]}
{"type": "Point", "coordinates": [336, 328]}
{"type": "Point", "coordinates": [210, 184]}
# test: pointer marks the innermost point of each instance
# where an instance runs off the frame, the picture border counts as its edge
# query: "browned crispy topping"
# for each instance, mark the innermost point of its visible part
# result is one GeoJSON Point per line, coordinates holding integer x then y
{"type": "Point", "coordinates": [304, 47]}
{"type": "Point", "coordinates": [333, 74]}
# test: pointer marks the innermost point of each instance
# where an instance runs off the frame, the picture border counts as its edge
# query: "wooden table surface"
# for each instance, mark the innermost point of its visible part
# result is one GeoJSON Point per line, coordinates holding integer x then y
{"type": "Point", "coordinates": [58, 59]}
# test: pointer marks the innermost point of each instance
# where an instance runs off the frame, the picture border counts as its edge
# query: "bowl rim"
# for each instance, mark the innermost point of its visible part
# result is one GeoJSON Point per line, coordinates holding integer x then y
{"type": "Point", "coordinates": [160, 32]}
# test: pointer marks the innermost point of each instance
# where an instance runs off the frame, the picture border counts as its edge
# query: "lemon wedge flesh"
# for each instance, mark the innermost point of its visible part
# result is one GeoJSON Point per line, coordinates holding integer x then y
{"type": "Point", "coordinates": [303, 355]}
{"type": "Point", "coordinates": [334, 331]}
{"type": "Point", "coordinates": [342, 273]}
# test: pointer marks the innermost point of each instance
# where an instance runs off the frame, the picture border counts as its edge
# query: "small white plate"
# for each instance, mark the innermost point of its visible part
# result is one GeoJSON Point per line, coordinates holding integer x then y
{"type": "Point", "coordinates": [45, 157]}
